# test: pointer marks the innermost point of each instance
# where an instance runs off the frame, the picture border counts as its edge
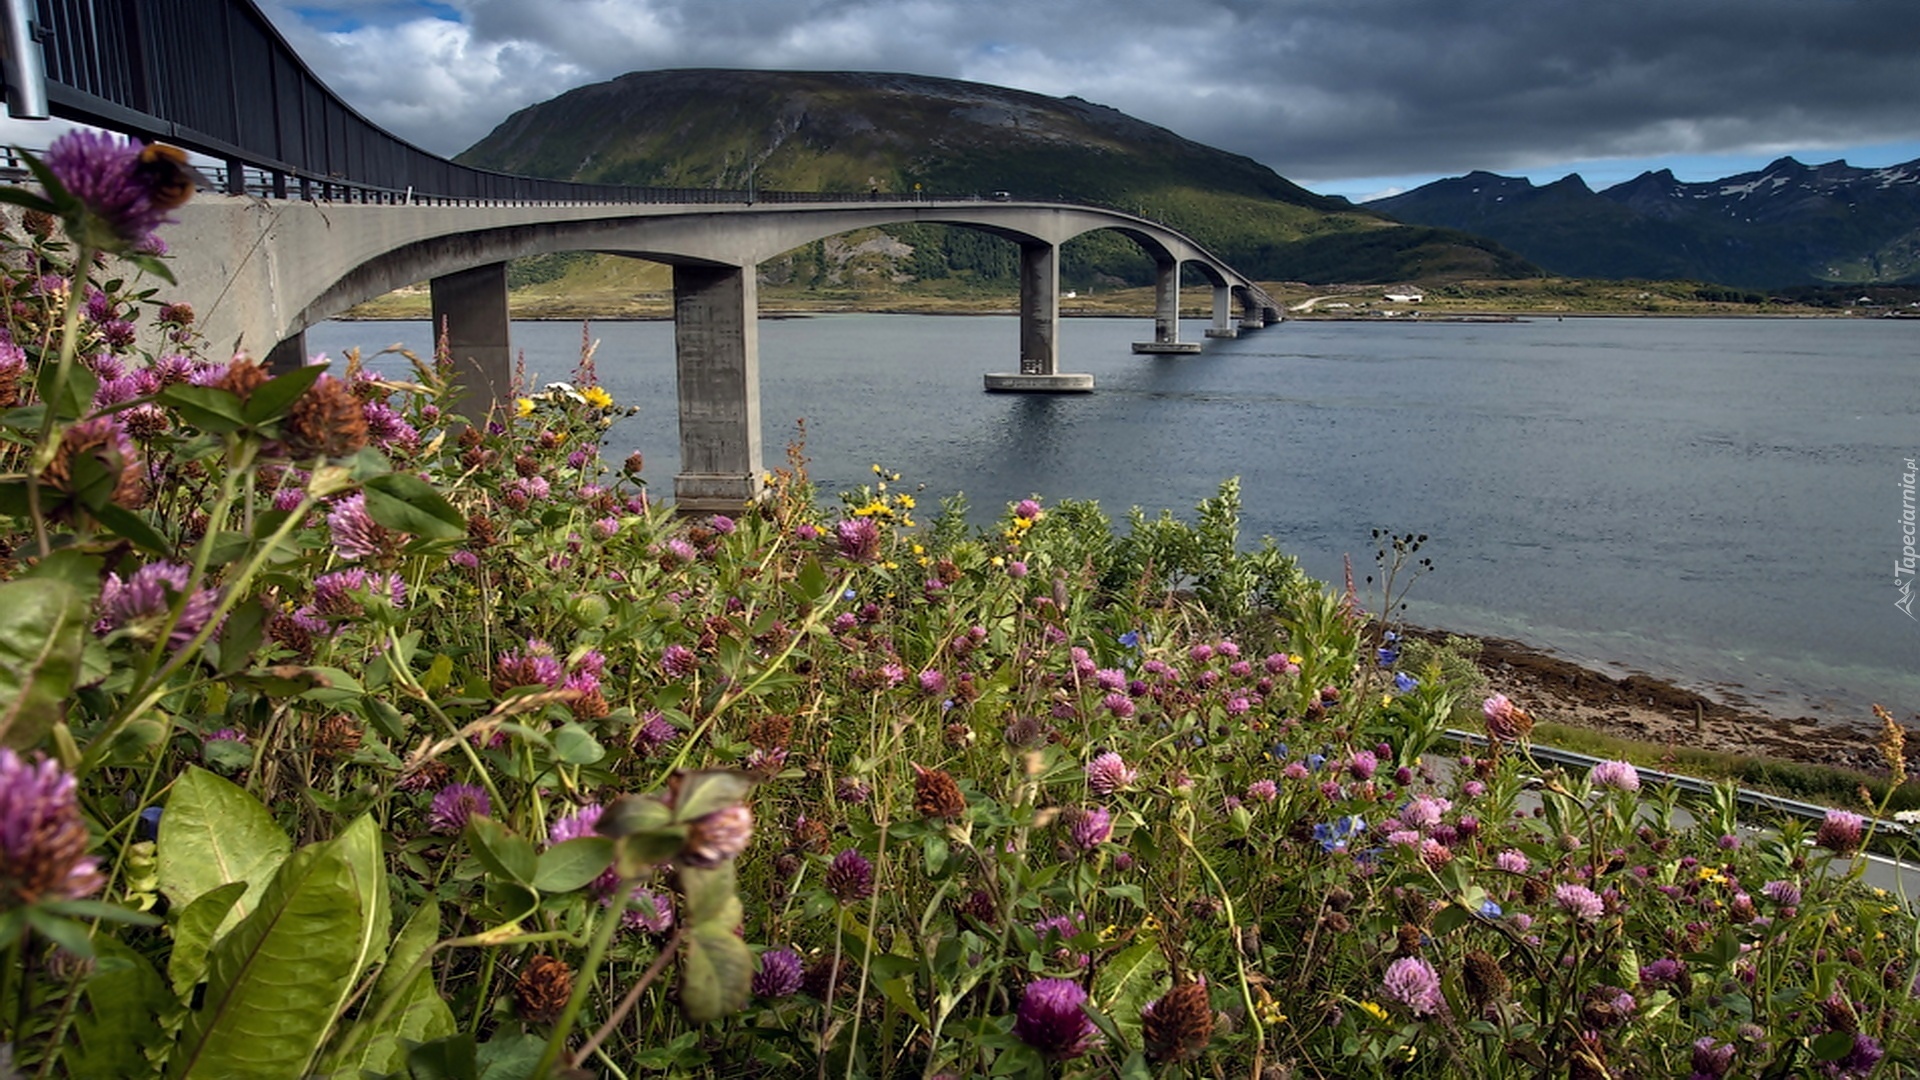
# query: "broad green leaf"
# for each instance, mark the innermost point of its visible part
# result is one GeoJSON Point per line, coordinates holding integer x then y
{"type": "Point", "coordinates": [575, 746]}
{"type": "Point", "coordinates": [711, 894]}
{"type": "Point", "coordinates": [510, 1057]}
{"type": "Point", "coordinates": [899, 990]}
{"type": "Point", "coordinates": [571, 865]}
{"type": "Point", "coordinates": [409, 504]}
{"type": "Point", "coordinates": [118, 1016]}
{"type": "Point", "coordinates": [703, 792]}
{"type": "Point", "coordinates": [636, 852]}
{"type": "Point", "coordinates": [632, 813]}
{"type": "Point", "coordinates": [77, 396]}
{"type": "Point", "coordinates": [193, 934]}
{"type": "Point", "coordinates": [501, 850]}
{"type": "Point", "coordinates": [241, 637]}
{"type": "Point", "coordinates": [43, 624]}
{"type": "Point", "coordinates": [1128, 982]}
{"type": "Point", "coordinates": [134, 527]}
{"type": "Point", "coordinates": [417, 1014]}
{"type": "Point", "coordinates": [270, 400]}
{"type": "Point", "coordinates": [208, 408]}
{"type": "Point", "coordinates": [1832, 1046]}
{"type": "Point", "coordinates": [716, 973]}
{"type": "Point", "coordinates": [277, 983]}
{"type": "Point", "coordinates": [213, 833]}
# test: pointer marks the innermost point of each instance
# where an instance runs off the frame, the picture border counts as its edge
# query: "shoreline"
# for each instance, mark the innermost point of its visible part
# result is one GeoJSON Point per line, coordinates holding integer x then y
{"type": "Point", "coordinates": [1659, 712]}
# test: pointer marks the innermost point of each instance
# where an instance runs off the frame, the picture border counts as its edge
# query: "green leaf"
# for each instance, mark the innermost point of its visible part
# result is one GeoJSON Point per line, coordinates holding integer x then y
{"type": "Point", "coordinates": [75, 398]}
{"type": "Point", "coordinates": [406, 503]}
{"type": "Point", "coordinates": [277, 983]}
{"type": "Point", "coordinates": [575, 746]}
{"type": "Point", "coordinates": [703, 792]}
{"type": "Point", "coordinates": [43, 624]}
{"type": "Point", "coordinates": [19, 196]}
{"type": "Point", "coordinates": [711, 895]}
{"type": "Point", "coordinates": [211, 834]}
{"type": "Point", "coordinates": [635, 852]}
{"type": "Point", "coordinates": [208, 408]}
{"type": "Point", "coordinates": [1128, 982]}
{"type": "Point", "coordinates": [632, 813]}
{"type": "Point", "coordinates": [899, 990]}
{"type": "Point", "coordinates": [118, 1016]}
{"type": "Point", "coordinates": [1832, 1046]}
{"type": "Point", "coordinates": [716, 973]}
{"type": "Point", "coordinates": [418, 1013]}
{"type": "Point", "coordinates": [193, 934]}
{"type": "Point", "coordinates": [502, 851]}
{"type": "Point", "coordinates": [571, 865]}
{"type": "Point", "coordinates": [271, 399]}
{"type": "Point", "coordinates": [132, 526]}
{"type": "Point", "coordinates": [240, 638]}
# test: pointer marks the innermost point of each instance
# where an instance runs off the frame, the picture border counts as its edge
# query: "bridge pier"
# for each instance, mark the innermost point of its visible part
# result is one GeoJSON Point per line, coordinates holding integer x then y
{"type": "Point", "coordinates": [1222, 313]}
{"type": "Point", "coordinates": [472, 305]}
{"type": "Point", "coordinates": [1166, 313]}
{"type": "Point", "coordinates": [716, 339]}
{"type": "Point", "coordinates": [1039, 319]}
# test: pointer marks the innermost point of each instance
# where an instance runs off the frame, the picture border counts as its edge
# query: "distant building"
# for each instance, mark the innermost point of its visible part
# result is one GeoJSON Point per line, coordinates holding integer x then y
{"type": "Point", "coordinates": [1405, 297]}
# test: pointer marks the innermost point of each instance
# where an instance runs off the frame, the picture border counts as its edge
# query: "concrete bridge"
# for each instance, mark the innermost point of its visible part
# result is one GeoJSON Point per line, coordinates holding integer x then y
{"type": "Point", "coordinates": [323, 209]}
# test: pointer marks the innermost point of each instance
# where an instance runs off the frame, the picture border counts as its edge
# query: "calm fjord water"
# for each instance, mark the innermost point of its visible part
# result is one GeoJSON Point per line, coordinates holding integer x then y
{"type": "Point", "coordinates": [1715, 501]}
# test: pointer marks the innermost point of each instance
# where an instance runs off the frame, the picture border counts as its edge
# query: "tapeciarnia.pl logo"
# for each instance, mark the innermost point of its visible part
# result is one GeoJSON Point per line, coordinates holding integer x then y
{"type": "Point", "coordinates": [1903, 567]}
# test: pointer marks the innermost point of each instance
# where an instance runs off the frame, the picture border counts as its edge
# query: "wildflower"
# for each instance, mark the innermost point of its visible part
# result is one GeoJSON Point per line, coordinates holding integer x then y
{"type": "Point", "coordinates": [1119, 704]}
{"type": "Point", "coordinates": [389, 429]}
{"type": "Point", "coordinates": [1482, 978]}
{"type": "Point", "coordinates": [717, 837]}
{"type": "Point", "coordinates": [1362, 764]}
{"type": "Point", "coordinates": [1088, 829]}
{"type": "Point", "coordinates": [1618, 775]}
{"type": "Point", "coordinates": [1179, 1025]}
{"type": "Point", "coordinates": [543, 988]}
{"type": "Point", "coordinates": [1335, 835]}
{"type": "Point", "coordinates": [1027, 510]}
{"type": "Point", "coordinates": [647, 910]}
{"type": "Point", "coordinates": [43, 839]}
{"type": "Point", "coordinates": [850, 877]}
{"type": "Point", "coordinates": [1711, 1059]}
{"type": "Point", "coordinates": [1784, 893]}
{"type": "Point", "coordinates": [1506, 722]}
{"type": "Point", "coordinates": [935, 795]}
{"type": "Point", "coordinates": [1109, 773]}
{"type": "Point", "coordinates": [597, 397]}
{"type": "Point", "coordinates": [933, 682]}
{"type": "Point", "coordinates": [679, 661]}
{"type": "Point", "coordinates": [1512, 862]}
{"type": "Point", "coordinates": [125, 189]}
{"type": "Point", "coordinates": [1841, 832]}
{"type": "Point", "coordinates": [1264, 790]}
{"type": "Point", "coordinates": [146, 597]}
{"type": "Point", "coordinates": [454, 804]}
{"type": "Point", "coordinates": [1412, 982]}
{"type": "Point", "coordinates": [780, 974]}
{"type": "Point", "coordinates": [858, 539]}
{"type": "Point", "coordinates": [103, 439]}
{"type": "Point", "coordinates": [1423, 812]}
{"type": "Point", "coordinates": [334, 594]}
{"type": "Point", "coordinates": [1052, 1019]}
{"type": "Point", "coordinates": [355, 534]}
{"type": "Point", "coordinates": [1579, 901]}
{"type": "Point", "coordinates": [326, 421]}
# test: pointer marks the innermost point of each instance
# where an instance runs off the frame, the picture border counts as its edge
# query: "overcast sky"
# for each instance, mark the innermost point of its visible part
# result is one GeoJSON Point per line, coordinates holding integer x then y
{"type": "Point", "coordinates": [1347, 97]}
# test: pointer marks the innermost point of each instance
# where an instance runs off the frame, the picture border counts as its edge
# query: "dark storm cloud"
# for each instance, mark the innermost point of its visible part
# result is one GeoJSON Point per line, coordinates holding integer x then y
{"type": "Point", "coordinates": [1316, 89]}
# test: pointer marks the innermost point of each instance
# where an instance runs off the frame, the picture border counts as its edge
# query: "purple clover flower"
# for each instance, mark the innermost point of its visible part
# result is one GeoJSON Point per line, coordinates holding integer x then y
{"type": "Point", "coordinates": [780, 974]}
{"type": "Point", "coordinates": [850, 877]}
{"type": "Point", "coordinates": [1109, 773]}
{"type": "Point", "coordinates": [679, 661]}
{"type": "Point", "coordinates": [43, 838]}
{"type": "Point", "coordinates": [1579, 901]}
{"type": "Point", "coordinates": [1841, 832]}
{"type": "Point", "coordinates": [454, 804]}
{"type": "Point", "coordinates": [1091, 828]}
{"type": "Point", "coordinates": [1618, 775]}
{"type": "Point", "coordinates": [1413, 983]}
{"type": "Point", "coordinates": [147, 596]}
{"type": "Point", "coordinates": [356, 535]}
{"type": "Point", "coordinates": [104, 174]}
{"type": "Point", "coordinates": [1052, 1019]}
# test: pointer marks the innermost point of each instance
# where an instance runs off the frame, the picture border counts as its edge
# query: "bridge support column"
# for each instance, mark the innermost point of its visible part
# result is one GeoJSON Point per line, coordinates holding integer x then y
{"type": "Point", "coordinates": [1166, 314]}
{"type": "Point", "coordinates": [716, 336]}
{"type": "Point", "coordinates": [472, 305]}
{"type": "Point", "coordinates": [1222, 314]}
{"type": "Point", "coordinates": [1039, 319]}
{"type": "Point", "coordinates": [289, 355]}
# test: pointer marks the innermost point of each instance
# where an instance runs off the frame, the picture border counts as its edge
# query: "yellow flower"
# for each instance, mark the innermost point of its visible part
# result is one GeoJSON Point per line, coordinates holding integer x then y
{"type": "Point", "coordinates": [597, 397]}
{"type": "Point", "coordinates": [918, 550]}
{"type": "Point", "coordinates": [998, 561]}
{"type": "Point", "coordinates": [1385, 700]}
{"type": "Point", "coordinates": [1373, 1009]}
{"type": "Point", "coordinates": [1150, 924]}
{"type": "Point", "coordinates": [524, 407]}
{"type": "Point", "coordinates": [905, 501]}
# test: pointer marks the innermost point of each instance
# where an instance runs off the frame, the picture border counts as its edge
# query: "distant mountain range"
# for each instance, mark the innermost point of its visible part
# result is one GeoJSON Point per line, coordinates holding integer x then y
{"type": "Point", "coordinates": [859, 132]}
{"type": "Point", "coordinates": [1787, 224]}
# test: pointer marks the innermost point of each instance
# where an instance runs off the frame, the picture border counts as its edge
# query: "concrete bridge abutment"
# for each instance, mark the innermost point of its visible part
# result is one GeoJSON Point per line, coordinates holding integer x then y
{"type": "Point", "coordinates": [1166, 313]}
{"type": "Point", "coordinates": [716, 338]}
{"type": "Point", "coordinates": [1039, 326]}
{"type": "Point", "coordinates": [1223, 313]}
{"type": "Point", "coordinates": [472, 306]}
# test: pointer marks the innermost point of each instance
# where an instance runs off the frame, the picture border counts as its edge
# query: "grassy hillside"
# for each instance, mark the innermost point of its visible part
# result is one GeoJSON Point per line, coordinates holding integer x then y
{"type": "Point", "coordinates": [855, 132]}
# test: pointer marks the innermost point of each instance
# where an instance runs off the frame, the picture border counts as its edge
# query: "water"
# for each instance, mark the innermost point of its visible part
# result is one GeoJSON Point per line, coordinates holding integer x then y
{"type": "Point", "coordinates": [1713, 501]}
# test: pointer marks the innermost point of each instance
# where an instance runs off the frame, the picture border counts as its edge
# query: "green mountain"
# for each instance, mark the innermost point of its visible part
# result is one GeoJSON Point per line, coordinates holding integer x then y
{"type": "Point", "coordinates": [860, 132]}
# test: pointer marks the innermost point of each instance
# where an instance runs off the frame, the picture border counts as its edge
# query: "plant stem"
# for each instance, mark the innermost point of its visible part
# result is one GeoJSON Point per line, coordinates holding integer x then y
{"type": "Point", "coordinates": [632, 996]}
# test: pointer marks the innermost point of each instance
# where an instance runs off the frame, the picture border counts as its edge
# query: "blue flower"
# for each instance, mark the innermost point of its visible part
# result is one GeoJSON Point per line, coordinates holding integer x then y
{"type": "Point", "coordinates": [849, 595]}
{"type": "Point", "coordinates": [1405, 683]}
{"type": "Point", "coordinates": [1131, 639]}
{"type": "Point", "coordinates": [1314, 761]}
{"type": "Point", "coordinates": [1334, 835]}
{"type": "Point", "coordinates": [1490, 909]}
{"type": "Point", "coordinates": [148, 827]}
{"type": "Point", "coordinates": [1279, 751]}
{"type": "Point", "coordinates": [1388, 655]}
